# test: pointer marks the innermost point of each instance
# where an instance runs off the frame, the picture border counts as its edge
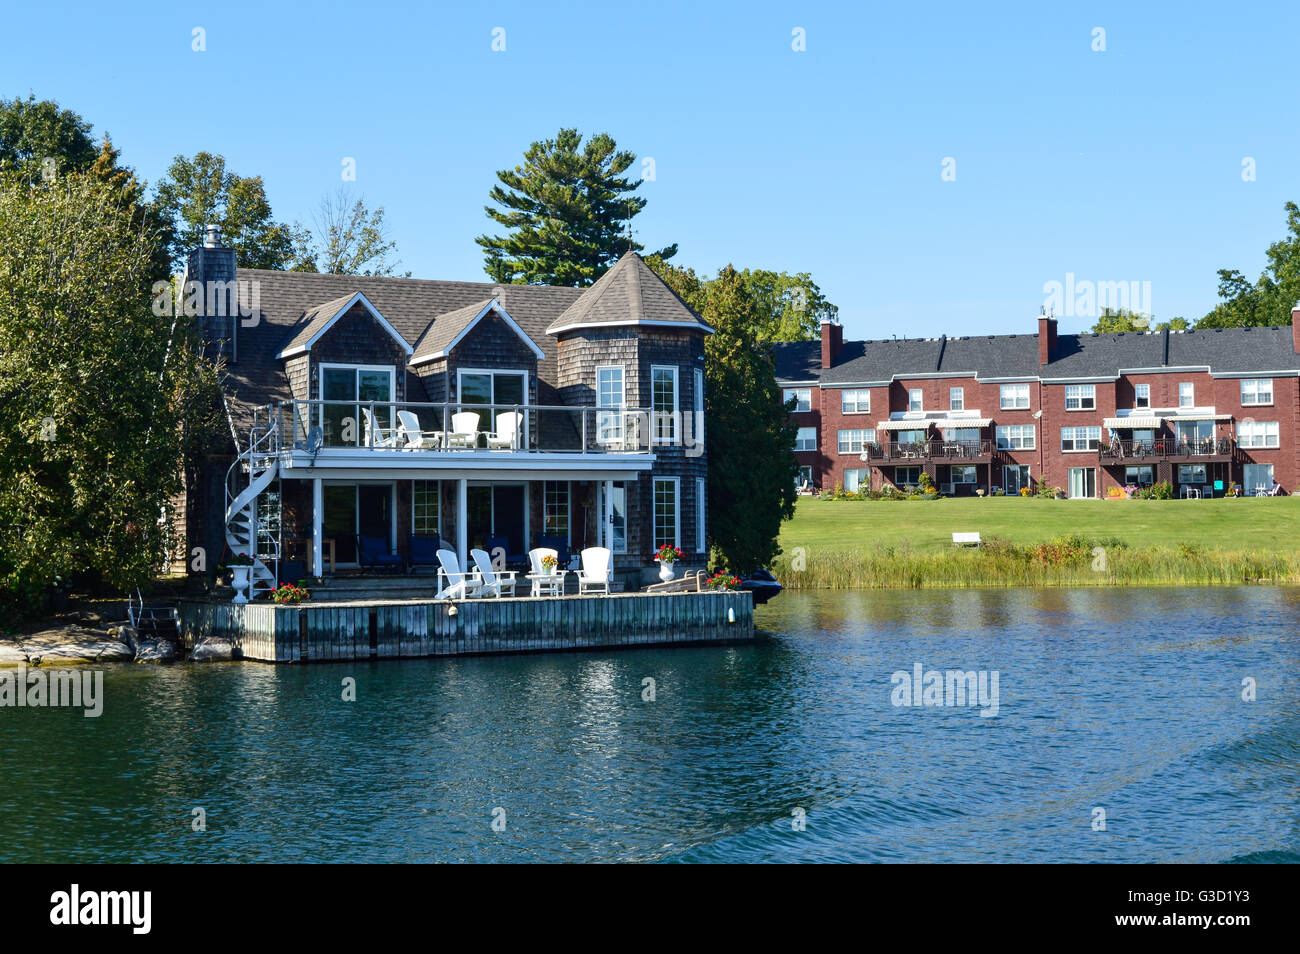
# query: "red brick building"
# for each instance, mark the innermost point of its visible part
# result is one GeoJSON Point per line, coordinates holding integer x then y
{"type": "Point", "coordinates": [1202, 409]}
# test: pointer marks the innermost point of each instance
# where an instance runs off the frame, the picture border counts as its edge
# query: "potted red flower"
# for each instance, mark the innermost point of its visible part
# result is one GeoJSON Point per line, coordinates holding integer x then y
{"type": "Point", "coordinates": [667, 555]}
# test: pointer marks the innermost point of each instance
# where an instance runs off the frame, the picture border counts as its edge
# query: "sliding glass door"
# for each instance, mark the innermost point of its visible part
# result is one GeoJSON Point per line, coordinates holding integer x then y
{"type": "Point", "coordinates": [347, 391]}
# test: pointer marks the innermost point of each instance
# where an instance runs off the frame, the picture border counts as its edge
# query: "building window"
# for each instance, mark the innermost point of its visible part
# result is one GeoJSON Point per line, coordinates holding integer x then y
{"type": "Point", "coordinates": [956, 399]}
{"type": "Point", "coordinates": [962, 474]}
{"type": "Point", "coordinates": [346, 391]}
{"type": "Point", "coordinates": [1081, 397]}
{"type": "Point", "coordinates": [914, 400]}
{"type": "Point", "coordinates": [853, 442]}
{"type": "Point", "coordinates": [855, 402]}
{"type": "Point", "coordinates": [701, 544]}
{"type": "Point", "coordinates": [1142, 395]}
{"type": "Point", "coordinates": [1080, 438]}
{"type": "Point", "coordinates": [1258, 434]}
{"type": "Point", "coordinates": [907, 476]}
{"type": "Point", "coordinates": [663, 401]}
{"type": "Point", "coordinates": [1141, 476]}
{"type": "Point", "coordinates": [499, 391]}
{"type": "Point", "coordinates": [1256, 478]}
{"type": "Point", "coordinates": [805, 477]}
{"type": "Point", "coordinates": [555, 508]}
{"type": "Point", "coordinates": [426, 504]}
{"type": "Point", "coordinates": [1186, 394]}
{"type": "Point", "coordinates": [1015, 477]}
{"type": "Point", "coordinates": [618, 517]}
{"type": "Point", "coordinates": [699, 407]}
{"type": "Point", "coordinates": [1016, 437]}
{"type": "Point", "coordinates": [807, 439]}
{"type": "Point", "coordinates": [1256, 391]}
{"type": "Point", "coordinates": [857, 479]}
{"type": "Point", "coordinates": [1191, 473]}
{"type": "Point", "coordinates": [1081, 483]}
{"type": "Point", "coordinates": [1013, 397]}
{"type": "Point", "coordinates": [801, 396]}
{"type": "Point", "coordinates": [609, 394]}
{"type": "Point", "coordinates": [666, 524]}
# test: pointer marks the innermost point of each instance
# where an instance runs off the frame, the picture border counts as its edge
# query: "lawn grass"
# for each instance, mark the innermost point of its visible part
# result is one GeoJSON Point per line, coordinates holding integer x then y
{"type": "Point", "coordinates": [875, 543]}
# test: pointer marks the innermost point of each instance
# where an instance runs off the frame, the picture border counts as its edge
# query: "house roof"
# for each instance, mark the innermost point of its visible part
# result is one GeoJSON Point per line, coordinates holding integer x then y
{"type": "Point", "coordinates": [446, 330]}
{"type": "Point", "coordinates": [628, 294]}
{"type": "Point", "coordinates": [318, 319]}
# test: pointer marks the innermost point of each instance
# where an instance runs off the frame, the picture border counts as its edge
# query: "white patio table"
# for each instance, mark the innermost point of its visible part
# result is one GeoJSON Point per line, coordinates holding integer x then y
{"type": "Point", "coordinates": [547, 584]}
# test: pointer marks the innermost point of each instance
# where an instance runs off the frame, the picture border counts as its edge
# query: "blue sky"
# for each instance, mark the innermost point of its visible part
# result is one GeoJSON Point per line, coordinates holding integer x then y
{"type": "Point", "coordinates": [1122, 165]}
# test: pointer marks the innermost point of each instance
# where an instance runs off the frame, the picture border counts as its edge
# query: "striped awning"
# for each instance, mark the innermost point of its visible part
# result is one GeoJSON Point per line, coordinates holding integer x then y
{"type": "Point", "coordinates": [943, 423]}
{"type": "Point", "coordinates": [1195, 416]}
{"type": "Point", "coordinates": [1144, 421]}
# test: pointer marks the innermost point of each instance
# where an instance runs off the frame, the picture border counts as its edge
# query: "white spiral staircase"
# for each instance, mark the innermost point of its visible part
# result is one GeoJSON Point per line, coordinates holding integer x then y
{"type": "Point", "coordinates": [241, 508]}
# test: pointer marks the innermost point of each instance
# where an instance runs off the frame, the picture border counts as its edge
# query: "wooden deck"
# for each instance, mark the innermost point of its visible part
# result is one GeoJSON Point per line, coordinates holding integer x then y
{"type": "Point", "coordinates": [390, 629]}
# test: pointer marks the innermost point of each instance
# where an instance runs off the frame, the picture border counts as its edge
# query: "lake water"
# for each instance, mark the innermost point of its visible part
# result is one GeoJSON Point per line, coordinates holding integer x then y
{"type": "Point", "coordinates": [1128, 701]}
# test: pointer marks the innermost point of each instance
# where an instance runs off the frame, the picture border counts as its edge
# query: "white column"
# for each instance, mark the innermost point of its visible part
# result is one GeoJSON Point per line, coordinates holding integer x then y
{"type": "Point", "coordinates": [462, 521]}
{"type": "Point", "coordinates": [317, 524]}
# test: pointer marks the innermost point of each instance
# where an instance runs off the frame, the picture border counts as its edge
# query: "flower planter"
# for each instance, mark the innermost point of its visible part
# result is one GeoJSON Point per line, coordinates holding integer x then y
{"type": "Point", "coordinates": [666, 571]}
{"type": "Point", "coordinates": [239, 580]}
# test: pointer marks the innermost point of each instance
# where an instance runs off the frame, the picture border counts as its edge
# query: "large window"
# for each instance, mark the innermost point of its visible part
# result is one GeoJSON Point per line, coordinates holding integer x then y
{"type": "Point", "coordinates": [1256, 391]}
{"type": "Point", "coordinates": [1016, 437]}
{"type": "Point", "coordinates": [1258, 434]}
{"type": "Point", "coordinates": [956, 399]}
{"type": "Point", "coordinates": [667, 526]}
{"type": "Point", "coordinates": [1257, 478]}
{"type": "Point", "coordinates": [426, 508]}
{"type": "Point", "coordinates": [1191, 473]}
{"type": "Point", "coordinates": [1142, 395]}
{"type": "Point", "coordinates": [854, 441]}
{"type": "Point", "coordinates": [618, 510]}
{"type": "Point", "coordinates": [500, 390]}
{"type": "Point", "coordinates": [1186, 394]}
{"type": "Point", "coordinates": [701, 543]}
{"type": "Point", "coordinates": [609, 394]}
{"type": "Point", "coordinates": [857, 401]}
{"type": "Point", "coordinates": [348, 390]}
{"type": "Point", "coordinates": [699, 407]}
{"type": "Point", "coordinates": [1081, 397]}
{"type": "Point", "coordinates": [801, 396]}
{"type": "Point", "coordinates": [962, 474]}
{"type": "Point", "coordinates": [1013, 397]}
{"type": "Point", "coordinates": [663, 401]}
{"type": "Point", "coordinates": [1141, 476]}
{"type": "Point", "coordinates": [555, 508]}
{"type": "Point", "coordinates": [857, 479]}
{"type": "Point", "coordinates": [907, 476]}
{"type": "Point", "coordinates": [915, 400]}
{"type": "Point", "coordinates": [1080, 438]}
{"type": "Point", "coordinates": [807, 439]}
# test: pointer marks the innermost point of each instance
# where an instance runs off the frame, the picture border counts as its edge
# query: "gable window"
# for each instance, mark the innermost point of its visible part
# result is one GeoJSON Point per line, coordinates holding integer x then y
{"type": "Point", "coordinates": [347, 391]}
{"type": "Point", "coordinates": [956, 399]}
{"type": "Point", "coordinates": [1081, 397]}
{"type": "Point", "coordinates": [1258, 434]}
{"type": "Point", "coordinates": [1186, 394]}
{"type": "Point", "coordinates": [663, 402]}
{"type": "Point", "coordinates": [498, 392]}
{"type": "Point", "coordinates": [1080, 438]}
{"type": "Point", "coordinates": [666, 525]}
{"type": "Point", "coordinates": [853, 441]}
{"type": "Point", "coordinates": [857, 401]}
{"type": "Point", "coordinates": [1256, 391]}
{"type": "Point", "coordinates": [802, 398]}
{"type": "Point", "coordinates": [806, 440]}
{"type": "Point", "coordinates": [1142, 395]}
{"type": "Point", "coordinates": [915, 400]}
{"type": "Point", "coordinates": [609, 394]}
{"type": "Point", "coordinates": [1013, 397]}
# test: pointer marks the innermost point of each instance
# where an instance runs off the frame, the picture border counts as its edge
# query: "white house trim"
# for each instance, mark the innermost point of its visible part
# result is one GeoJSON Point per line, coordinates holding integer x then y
{"type": "Point", "coordinates": [358, 297]}
{"type": "Point", "coordinates": [643, 322]}
{"type": "Point", "coordinates": [493, 305]}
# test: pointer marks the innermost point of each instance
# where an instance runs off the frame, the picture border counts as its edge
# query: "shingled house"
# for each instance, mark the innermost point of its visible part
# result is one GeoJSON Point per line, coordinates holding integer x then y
{"type": "Point", "coordinates": [347, 400]}
{"type": "Point", "coordinates": [1201, 409]}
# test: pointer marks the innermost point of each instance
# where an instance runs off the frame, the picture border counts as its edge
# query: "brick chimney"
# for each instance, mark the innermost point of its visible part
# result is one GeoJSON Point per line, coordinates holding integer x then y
{"type": "Point", "coordinates": [1046, 339]}
{"type": "Point", "coordinates": [1295, 328]}
{"type": "Point", "coordinates": [212, 266]}
{"type": "Point", "coordinates": [832, 341]}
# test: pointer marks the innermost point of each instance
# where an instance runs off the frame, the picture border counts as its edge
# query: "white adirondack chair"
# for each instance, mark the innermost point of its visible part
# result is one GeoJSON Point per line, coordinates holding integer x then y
{"type": "Point", "coordinates": [535, 559]}
{"type": "Point", "coordinates": [377, 436]}
{"type": "Point", "coordinates": [506, 436]}
{"type": "Point", "coordinates": [452, 583]}
{"type": "Point", "coordinates": [417, 439]}
{"type": "Point", "coordinates": [464, 430]}
{"type": "Point", "coordinates": [493, 582]}
{"type": "Point", "coordinates": [594, 575]}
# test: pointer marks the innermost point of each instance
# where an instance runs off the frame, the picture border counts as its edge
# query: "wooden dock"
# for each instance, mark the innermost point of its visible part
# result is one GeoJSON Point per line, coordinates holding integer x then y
{"type": "Point", "coordinates": [391, 629]}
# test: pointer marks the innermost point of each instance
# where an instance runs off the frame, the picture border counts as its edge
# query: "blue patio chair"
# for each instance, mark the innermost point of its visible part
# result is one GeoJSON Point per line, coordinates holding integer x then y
{"type": "Point", "coordinates": [375, 553]}
{"type": "Point", "coordinates": [424, 552]}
